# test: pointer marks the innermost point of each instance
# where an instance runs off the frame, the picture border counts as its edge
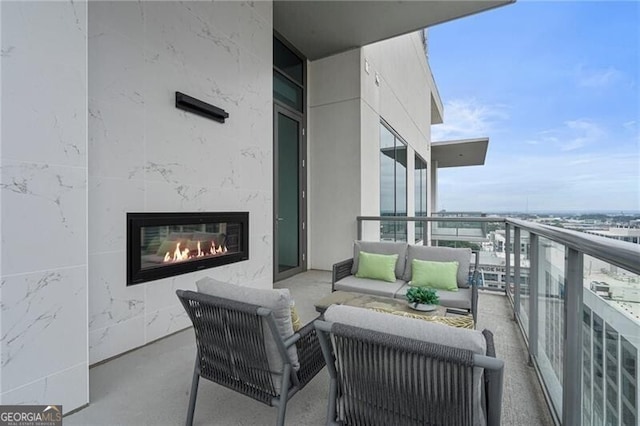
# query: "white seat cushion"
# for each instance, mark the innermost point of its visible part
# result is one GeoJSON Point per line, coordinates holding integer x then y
{"type": "Point", "coordinates": [368, 286]}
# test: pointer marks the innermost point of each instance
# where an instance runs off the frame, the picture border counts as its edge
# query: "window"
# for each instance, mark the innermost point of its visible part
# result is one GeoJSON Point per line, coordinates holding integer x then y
{"type": "Point", "coordinates": [393, 183]}
{"type": "Point", "coordinates": [420, 185]}
{"type": "Point", "coordinates": [288, 77]}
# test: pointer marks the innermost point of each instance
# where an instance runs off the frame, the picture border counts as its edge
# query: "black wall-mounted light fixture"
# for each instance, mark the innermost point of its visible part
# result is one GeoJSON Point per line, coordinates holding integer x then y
{"type": "Point", "coordinates": [187, 103]}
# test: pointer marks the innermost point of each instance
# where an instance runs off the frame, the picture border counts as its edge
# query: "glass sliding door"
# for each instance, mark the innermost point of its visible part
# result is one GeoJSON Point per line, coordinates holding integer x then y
{"type": "Point", "coordinates": [420, 186]}
{"type": "Point", "coordinates": [289, 153]}
{"type": "Point", "coordinates": [288, 193]}
{"type": "Point", "coordinates": [393, 184]}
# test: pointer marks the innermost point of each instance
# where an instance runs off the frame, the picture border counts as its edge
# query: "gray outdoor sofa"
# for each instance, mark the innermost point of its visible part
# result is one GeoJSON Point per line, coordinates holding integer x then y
{"type": "Point", "coordinates": [465, 299]}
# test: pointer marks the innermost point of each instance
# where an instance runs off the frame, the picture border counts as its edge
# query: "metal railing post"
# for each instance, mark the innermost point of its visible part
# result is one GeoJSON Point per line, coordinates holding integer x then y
{"type": "Point", "coordinates": [516, 270]}
{"type": "Point", "coordinates": [572, 366]}
{"type": "Point", "coordinates": [534, 256]}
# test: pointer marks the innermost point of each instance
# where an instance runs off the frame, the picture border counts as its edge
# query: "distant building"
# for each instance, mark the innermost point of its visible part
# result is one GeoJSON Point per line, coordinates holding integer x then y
{"type": "Point", "coordinates": [630, 235]}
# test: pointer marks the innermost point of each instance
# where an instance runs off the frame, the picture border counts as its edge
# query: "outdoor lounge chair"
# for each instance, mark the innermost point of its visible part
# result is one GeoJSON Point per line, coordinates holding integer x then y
{"type": "Point", "coordinates": [240, 346]}
{"type": "Point", "coordinates": [380, 378]}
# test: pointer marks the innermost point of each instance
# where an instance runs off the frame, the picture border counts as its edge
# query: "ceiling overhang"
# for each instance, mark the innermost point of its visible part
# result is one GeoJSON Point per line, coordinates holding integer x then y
{"type": "Point", "coordinates": [459, 153]}
{"type": "Point", "coordinates": [323, 28]}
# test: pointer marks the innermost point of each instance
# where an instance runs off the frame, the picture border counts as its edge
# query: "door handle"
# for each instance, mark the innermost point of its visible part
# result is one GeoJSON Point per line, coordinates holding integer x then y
{"type": "Point", "coordinates": [280, 218]}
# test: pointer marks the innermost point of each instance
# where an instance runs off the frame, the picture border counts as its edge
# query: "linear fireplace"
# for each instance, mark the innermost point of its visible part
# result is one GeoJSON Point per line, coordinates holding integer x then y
{"type": "Point", "coordinates": [161, 245]}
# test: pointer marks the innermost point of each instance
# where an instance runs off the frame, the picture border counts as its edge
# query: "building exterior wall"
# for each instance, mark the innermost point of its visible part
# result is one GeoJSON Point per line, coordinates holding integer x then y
{"type": "Point", "coordinates": [346, 104]}
{"type": "Point", "coordinates": [147, 156]}
{"type": "Point", "coordinates": [333, 148]}
{"type": "Point", "coordinates": [43, 198]}
{"type": "Point", "coordinates": [611, 350]}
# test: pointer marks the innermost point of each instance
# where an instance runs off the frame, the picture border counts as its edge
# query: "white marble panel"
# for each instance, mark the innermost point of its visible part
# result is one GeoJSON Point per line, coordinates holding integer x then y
{"type": "Point", "coordinates": [264, 9]}
{"type": "Point", "coordinates": [116, 70]}
{"type": "Point", "coordinates": [39, 126]}
{"type": "Point", "coordinates": [217, 85]}
{"type": "Point", "coordinates": [116, 140]}
{"type": "Point", "coordinates": [124, 17]}
{"type": "Point", "coordinates": [111, 301]}
{"type": "Point", "coordinates": [43, 215]}
{"type": "Point", "coordinates": [189, 40]}
{"type": "Point", "coordinates": [254, 120]}
{"type": "Point", "coordinates": [37, 74]}
{"type": "Point", "coordinates": [44, 324]}
{"type": "Point", "coordinates": [109, 201]}
{"type": "Point", "coordinates": [255, 168]}
{"type": "Point", "coordinates": [37, 30]}
{"type": "Point", "coordinates": [161, 294]}
{"type": "Point", "coordinates": [174, 196]}
{"type": "Point", "coordinates": [242, 22]}
{"type": "Point", "coordinates": [110, 341]}
{"type": "Point", "coordinates": [68, 387]}
{"type": "Point", "coordinates": [166, 321]}
{"type": "Point", "coordinates": [181, 154]}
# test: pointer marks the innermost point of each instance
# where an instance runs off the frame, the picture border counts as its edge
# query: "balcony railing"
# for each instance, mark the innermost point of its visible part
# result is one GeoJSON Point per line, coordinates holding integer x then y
{"type": "Point", "coordinates": [575, 296]}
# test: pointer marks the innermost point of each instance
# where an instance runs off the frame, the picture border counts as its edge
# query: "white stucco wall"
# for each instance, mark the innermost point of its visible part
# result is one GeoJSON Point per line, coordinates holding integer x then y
{"type": "Point", "coordinates": [147, 156]}
{"type": "Point", "coordinates": [43, 198]}
{"type": "Point", "coordinates": [334, 156]}
{"type": "Point", "coordinates": [345, 107]}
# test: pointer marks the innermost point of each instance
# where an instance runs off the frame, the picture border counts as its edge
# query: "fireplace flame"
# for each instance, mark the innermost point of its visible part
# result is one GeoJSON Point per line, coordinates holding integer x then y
{"type": "Point", "coordinates": [180, 255]}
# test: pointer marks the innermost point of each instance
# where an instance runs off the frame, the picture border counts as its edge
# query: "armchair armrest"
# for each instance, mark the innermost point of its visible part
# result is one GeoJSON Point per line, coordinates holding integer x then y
{"type": "Point", "coordinates": [309, 353]}
{"type": "Point", "coordinates": [493, 381]}
{"type": "Point", "coordinates": [341, 270]}
{"type": "Point", "coordinates": [474, 287]}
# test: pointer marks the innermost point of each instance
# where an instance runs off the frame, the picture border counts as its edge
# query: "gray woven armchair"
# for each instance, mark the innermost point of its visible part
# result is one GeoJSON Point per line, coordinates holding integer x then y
{"type": "Point", "coordinates": [378, 378]}
{"type": "Point", "coordinates": [236, 343]}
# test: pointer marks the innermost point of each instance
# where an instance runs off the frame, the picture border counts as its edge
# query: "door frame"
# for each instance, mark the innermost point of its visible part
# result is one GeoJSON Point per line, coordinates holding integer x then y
{"type": "Point", "coordinates": [302, 192]}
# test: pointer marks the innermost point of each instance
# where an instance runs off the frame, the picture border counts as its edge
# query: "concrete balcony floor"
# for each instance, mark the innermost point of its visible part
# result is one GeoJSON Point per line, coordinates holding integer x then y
{"type": "Point", "coordinates": [150, 385]}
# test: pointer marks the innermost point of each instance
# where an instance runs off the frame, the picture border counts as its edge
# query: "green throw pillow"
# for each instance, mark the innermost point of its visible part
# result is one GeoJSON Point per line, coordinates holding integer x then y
{"type": "Point", "coordinates": [377, 266]}
{"type": "Point", "coordinates": [437, 275]}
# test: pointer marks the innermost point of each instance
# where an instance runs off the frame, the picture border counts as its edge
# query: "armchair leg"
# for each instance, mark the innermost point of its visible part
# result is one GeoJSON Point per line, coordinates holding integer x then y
{"type": "Point", "coordinates": [282, 408]}
{"type": "Point", "coordinates": [193, 395]}
{"type": "Point", "coordinates": [284, 395]}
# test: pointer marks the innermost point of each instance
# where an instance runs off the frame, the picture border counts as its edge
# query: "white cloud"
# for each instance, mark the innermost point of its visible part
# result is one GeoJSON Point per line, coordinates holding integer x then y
{"type": "Point", "coordinates": [571, 136]}
{"type": "Point", "coordinates": [467, 118]}
{"type": "Point", "coordinates": [597, 77]}
{"type": "Point", "coordinates": [570, 181]}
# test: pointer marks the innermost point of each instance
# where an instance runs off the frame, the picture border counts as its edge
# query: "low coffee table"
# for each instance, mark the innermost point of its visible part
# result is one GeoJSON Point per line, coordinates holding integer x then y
{"type": "Point", "coordinates": [392, 306]}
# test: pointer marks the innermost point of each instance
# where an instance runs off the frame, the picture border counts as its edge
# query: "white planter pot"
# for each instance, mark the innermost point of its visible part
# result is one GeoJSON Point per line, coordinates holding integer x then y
{"type": "Point", "coordinates": [423, 307]}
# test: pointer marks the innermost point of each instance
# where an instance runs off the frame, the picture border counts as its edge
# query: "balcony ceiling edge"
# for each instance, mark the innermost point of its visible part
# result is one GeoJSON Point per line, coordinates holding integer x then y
{"type": "Point", "coordinates": [323, 28]}
{"type": "Point", "coordinates": [460, 153]}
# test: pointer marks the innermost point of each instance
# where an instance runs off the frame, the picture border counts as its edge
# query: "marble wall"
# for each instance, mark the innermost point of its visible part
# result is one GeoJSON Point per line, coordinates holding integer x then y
{"type": "Point", "coordinates": [146, 155]}
{"type": "Point", "coordinates": [43, 203]}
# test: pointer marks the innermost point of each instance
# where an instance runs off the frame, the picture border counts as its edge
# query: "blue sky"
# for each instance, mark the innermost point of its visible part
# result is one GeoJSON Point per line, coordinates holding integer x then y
{"type": "Point", "coordinates": [555, 87]}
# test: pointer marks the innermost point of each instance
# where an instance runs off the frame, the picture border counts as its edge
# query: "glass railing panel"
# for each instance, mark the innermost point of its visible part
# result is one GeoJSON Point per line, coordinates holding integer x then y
{"type": "Point", "coordinates": [611, 344]}
{"type": "Point", "coordinates": [370, 230]}
{"type": "Point", "coordinates": [525, 266]}
{"type": "Point", "coordinates": [511, 289]}
{"type": "Point", "coordinates": [550, 337]}
{"type": "Point", "coordinates": [391, 230]}
{"type": "Point", "coordinates": [587, 374]}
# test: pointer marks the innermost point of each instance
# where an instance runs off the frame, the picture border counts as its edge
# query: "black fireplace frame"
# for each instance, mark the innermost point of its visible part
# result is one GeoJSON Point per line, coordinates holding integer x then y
{"type": "Point", "coordinates": [135, 221]}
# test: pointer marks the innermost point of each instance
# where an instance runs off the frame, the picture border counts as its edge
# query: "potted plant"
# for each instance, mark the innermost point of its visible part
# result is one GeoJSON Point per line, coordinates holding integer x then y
{"type": "Point", "coordinates": [422, 298]}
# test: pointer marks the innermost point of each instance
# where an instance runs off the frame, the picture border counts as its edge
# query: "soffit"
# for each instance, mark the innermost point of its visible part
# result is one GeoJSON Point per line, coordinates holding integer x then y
{"type": "Point", "coordinates": [323, 28]}
{"type": "Point", "coordinates": [459, 153]}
